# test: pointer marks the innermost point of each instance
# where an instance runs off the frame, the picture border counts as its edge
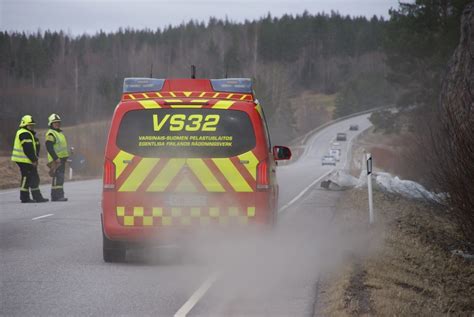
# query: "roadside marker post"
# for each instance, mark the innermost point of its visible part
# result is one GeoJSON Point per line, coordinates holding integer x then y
{"type": "Point", "coordinates": [368, 159]}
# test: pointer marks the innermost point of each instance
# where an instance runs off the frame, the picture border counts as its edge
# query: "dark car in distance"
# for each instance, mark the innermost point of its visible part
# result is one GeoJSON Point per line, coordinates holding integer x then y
{"type": "Point", "coordinates": [341, 137]}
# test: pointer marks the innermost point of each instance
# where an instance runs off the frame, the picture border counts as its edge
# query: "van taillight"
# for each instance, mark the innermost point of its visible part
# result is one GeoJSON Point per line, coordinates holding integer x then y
{"type": "Point", "coordinates": [109, 175]}
{"type": "Point", "coordinates": [263, 179]}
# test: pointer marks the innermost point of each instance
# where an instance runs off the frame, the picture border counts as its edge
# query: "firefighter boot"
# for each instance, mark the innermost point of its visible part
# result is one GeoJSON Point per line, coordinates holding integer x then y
{"type": "Point", "coordinates": [37, 196]}
{"type": "Point", "coordinates": [57, 194]}
{"type": "Point", "coordinates": [25, 197]}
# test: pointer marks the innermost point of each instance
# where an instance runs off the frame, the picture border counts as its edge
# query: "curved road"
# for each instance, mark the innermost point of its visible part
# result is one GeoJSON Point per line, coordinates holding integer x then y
{"type": "Point", "coordinates": [51, 258]}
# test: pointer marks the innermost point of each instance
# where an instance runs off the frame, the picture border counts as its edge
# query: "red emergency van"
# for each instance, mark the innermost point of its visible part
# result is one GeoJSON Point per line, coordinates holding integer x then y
{"type": "Point", "coordinates": [183, 153]}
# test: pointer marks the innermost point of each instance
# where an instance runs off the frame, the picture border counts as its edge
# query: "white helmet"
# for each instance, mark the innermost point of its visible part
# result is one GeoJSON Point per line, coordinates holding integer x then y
{"type": "Point", "coordinates": [53, 118]}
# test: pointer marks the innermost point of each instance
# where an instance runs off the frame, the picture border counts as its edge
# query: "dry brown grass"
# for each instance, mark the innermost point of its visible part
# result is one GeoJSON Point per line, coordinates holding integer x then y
{"type": "Point", "coordinates": [411, 274]}
{"type": "Point", "coordinates": [89, 139]}
{"type": "Point", "coordinates": [10, 173]}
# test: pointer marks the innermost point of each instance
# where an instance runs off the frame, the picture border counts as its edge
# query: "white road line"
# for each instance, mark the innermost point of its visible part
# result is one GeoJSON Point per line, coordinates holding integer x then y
{"type": "Point", "coordinates": [303, 191]}
{"type": "Point", "coordinates": [8, 192]}
{"type": "Point", "coordinates": [192, 301]}
{"type": "Point", "coordinates": [44, 216]}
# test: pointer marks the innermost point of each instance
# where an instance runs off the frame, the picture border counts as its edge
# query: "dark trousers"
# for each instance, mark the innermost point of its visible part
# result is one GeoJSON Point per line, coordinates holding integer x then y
{"type": "Point", "coordinates": [29, 181]}
{"type": "Point", "coordinates": [57, 186]}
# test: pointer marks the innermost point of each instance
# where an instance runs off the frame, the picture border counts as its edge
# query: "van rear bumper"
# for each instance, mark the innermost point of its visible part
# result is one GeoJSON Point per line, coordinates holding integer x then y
{"type": "Point", "coordinates": [170, 228]}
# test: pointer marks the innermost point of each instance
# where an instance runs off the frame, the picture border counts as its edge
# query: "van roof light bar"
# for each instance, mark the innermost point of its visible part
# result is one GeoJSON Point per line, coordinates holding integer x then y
{"type": "Point", "coordinates": [131, 85]}
{"type": "Point", "coordinates": [238, 85]}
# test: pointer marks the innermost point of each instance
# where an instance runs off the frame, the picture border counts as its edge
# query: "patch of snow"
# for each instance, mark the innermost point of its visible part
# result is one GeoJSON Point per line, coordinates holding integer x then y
{"type": "Point", "coordinates": [384, 182]}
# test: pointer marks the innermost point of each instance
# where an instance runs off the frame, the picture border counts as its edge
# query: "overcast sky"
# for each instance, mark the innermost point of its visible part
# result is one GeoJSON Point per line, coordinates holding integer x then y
{"type": "Point", "coordinates": [79, 16]}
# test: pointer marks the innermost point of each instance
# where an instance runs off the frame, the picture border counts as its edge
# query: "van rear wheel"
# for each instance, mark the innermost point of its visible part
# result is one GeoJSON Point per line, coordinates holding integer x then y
{"type": "Point", "coordinates": [113, 251]}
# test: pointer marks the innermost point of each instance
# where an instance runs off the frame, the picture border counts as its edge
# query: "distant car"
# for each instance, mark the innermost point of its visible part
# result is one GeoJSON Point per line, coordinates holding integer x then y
{"type": "Point", "coordinates": [354, 127]}
{"type": "Point", "coordinates": [336, 153]}
{"type": "Point", "coordinates": [328, 160]}
{"type": "Point", "coordinates": [335, 146]}
{"type": "Point", "coordinates": [341, 136]}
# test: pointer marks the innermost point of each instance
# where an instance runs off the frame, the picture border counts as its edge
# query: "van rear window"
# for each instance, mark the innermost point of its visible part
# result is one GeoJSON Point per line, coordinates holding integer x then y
{"type": "Point", "coordinates": [200, 133]}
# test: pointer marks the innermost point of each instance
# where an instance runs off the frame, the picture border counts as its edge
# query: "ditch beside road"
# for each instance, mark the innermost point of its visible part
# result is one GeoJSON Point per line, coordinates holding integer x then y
{"type": "Point", "coordinates": [409, 266]}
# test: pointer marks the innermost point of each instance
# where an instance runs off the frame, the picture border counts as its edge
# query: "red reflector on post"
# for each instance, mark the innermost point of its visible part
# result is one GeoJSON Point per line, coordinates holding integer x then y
{"type": "Point", "coordinates": [109, 175]}
{"type": "Point", "coordinates": [263, 179]}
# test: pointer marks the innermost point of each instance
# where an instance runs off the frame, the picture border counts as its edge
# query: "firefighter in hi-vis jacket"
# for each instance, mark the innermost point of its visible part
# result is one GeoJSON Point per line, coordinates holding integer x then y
{"type": "Point", "coordinates": [56, 145]}
{"type": "Point", "coordinates": [26, 148]}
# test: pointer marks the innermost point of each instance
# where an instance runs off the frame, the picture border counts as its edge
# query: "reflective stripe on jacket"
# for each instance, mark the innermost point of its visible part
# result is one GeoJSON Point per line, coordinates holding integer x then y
{"type": "Point", "coordinates": [18, 154]}
{"type": "Point", "coordinates": [60, 144]}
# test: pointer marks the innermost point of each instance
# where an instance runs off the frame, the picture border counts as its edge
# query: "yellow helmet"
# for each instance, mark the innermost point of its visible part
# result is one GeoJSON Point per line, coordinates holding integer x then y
{"type": "Point", "coordinates": [27, 120]}
{"type": "Point", "coordinates": [53, 118]}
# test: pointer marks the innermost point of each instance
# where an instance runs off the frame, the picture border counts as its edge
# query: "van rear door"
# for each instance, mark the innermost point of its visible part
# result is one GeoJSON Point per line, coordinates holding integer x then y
{"type": "Point", "coordinates": [186, 165]}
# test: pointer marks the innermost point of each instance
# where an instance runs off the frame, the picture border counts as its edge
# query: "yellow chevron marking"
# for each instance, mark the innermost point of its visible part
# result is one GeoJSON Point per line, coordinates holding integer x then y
{"type": "Point", "coordinates": [251, 163]}
{"type": "Point", "coordinates": [138, 175]}
{"type": "Point", "coordinates": [200, 100]}
{"type": "Point", "coordinates": [145, 95]}
{"type": "Point", "coordinates": [230, 96]}
{"type": "Point", "coordinates": [119, 164]}
{"type": "Point", "coordinates": [164, 178]}
{"type": "Point", "coordinates": [132, 97]}
{"type": "Point", "coordinates": [215, 95]}
{"type": "Point", "coordinates": [243, 97]}
{"type": "Point", "coordinates": [158, 95]}
{"type": "Point", "coordinates": [172, 94]}
{"type": "Point", "coordinates": [223, 104]}
{"type": "Point", "coordinates": [173, 100]}
{"type": "Point", "coordinates": [202, 94]}
{"type": "Point", "coordinates": [187, 93]}
{"type": "Point", "coordinates": [186, 186]}
{"type": "Point", "coordinates": [205, 176]}
{"type": "Point", "coordinates": [138, 211]}
{"type": "Point", "coordinates": [121, 211]}
{"type": "Point", "coordinates": [259, 109]}
{"type": "Point", "coordinates": [149, 104]}
{"type": "Point", "coordinates": [232, 175]}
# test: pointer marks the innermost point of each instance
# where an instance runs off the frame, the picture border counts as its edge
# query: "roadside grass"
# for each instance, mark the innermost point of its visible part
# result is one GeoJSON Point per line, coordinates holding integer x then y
{"type": "Point", "coordinates": [412, 273]}
{"type": "Point", "coordinates": [10, 173]}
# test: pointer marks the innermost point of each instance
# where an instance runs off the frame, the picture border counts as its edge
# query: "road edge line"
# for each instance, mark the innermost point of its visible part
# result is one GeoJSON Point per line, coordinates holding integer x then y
{"type": "Point", "coordinates": [197, 295]}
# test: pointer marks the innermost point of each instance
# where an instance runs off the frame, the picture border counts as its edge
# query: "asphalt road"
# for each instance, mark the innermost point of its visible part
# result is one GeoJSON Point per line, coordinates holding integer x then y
{"type": "Point", "coordinates": [51, 258]}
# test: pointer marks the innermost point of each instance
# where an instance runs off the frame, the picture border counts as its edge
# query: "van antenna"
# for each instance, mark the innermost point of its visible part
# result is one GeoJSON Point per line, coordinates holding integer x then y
{"type": "Point", "coordinates": [151, 70]}
{"type": "Point", "coordinates": [193, 71]}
